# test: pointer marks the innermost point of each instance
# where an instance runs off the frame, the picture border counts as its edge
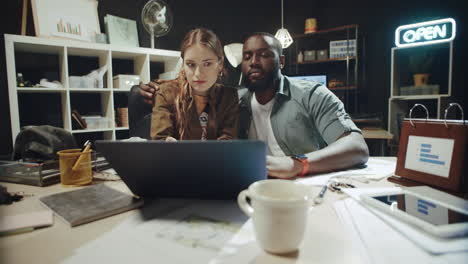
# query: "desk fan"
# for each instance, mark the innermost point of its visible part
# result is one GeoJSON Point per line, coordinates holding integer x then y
{"type": "Point", "coordinates": [157, 19]}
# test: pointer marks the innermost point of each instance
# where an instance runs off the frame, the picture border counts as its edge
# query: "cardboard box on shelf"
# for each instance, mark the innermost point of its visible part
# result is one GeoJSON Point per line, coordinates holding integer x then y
{"type": "Point", "coordinates": [322, 54]}
{"type": "Point", "coordinates": [419, 90]}
{"type": "Point", "coordinates": [94, 79]}
{"type": "Point", "coordinates": [309, 55]}
{"type": "Point", "coordinates": [125, 81]}
{"type": "Point", "coordinates": [170, 75]}
{"type": "Point", "coordinates": [96, 122]}
{"type": "Point", "coordinates": [82, 82]}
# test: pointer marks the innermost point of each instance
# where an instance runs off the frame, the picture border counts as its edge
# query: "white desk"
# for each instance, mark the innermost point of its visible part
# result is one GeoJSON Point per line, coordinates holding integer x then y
{"type": "Point", "coordinates": [54, 244]}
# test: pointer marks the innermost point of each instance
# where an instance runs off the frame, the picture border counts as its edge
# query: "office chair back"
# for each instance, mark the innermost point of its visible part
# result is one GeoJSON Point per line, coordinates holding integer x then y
{"type": "Point", "coordinates": [139, 114]}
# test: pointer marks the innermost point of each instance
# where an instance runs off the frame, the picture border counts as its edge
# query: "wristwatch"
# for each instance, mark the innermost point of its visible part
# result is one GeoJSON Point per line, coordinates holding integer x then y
{"type": "Point", "coordinates": [304, 161]}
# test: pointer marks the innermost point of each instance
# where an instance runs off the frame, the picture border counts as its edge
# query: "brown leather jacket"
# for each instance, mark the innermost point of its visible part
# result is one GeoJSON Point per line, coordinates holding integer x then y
{"type": "Point", "coordinates": [223, 114]}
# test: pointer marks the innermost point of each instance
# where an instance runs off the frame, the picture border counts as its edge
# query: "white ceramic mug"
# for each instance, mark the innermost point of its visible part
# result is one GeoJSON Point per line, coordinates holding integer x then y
{"type": "Point", "coordinates": [279, 211]}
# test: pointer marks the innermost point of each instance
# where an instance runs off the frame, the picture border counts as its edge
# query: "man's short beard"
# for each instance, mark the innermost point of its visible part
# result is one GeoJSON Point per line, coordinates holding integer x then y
{"type": "Point", "coordinates": [259, 85]}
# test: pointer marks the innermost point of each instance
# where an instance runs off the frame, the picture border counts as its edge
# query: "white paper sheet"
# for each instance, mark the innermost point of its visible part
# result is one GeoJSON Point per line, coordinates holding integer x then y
{"type": "Point", "coordinates": [242, 248]}
{"type": "Point", "coordinates": [167, 231]}
{"type": "Point", "coordinates": [325, 241]}
{"type": "Point", "coordinates": [343, 215]}
{"type": "Point", "coordinates": [355, 193]}
{"type": "Point", "coordinates": [376, 169]}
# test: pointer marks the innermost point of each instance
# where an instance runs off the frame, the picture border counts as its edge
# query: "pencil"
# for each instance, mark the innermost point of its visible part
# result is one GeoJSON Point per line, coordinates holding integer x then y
{"type": "Point", "coordinates": [81, 157]}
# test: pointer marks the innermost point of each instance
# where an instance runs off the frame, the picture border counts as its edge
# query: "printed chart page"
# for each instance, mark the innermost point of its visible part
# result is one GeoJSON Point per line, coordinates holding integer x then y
{"type": "Point", "coordinates": [167, 231]}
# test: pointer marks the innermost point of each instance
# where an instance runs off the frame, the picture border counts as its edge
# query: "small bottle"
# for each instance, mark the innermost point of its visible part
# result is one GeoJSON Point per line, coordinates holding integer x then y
{"type": "Point", "coordinates": [20, 80]}
{"type": "Point", "coordinates": [300, 57]}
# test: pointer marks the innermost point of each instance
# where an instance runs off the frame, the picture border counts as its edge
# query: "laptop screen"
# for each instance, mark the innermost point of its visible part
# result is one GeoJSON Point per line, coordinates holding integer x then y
{"type": "Point", "coordinates": [212, 169]}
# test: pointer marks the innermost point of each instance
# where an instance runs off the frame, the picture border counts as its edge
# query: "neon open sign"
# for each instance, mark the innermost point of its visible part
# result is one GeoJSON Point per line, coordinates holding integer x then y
{"type": "Point", "coordinates": [424, 33]}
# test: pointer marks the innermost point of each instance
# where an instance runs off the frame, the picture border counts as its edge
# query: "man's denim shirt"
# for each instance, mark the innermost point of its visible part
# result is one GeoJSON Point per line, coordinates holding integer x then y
{"type": "Point", "coordinates": [306, 116]}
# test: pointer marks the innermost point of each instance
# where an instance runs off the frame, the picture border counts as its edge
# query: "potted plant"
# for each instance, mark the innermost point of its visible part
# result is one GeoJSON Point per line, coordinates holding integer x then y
{"type": "Point", "coordinates": [420, 63]}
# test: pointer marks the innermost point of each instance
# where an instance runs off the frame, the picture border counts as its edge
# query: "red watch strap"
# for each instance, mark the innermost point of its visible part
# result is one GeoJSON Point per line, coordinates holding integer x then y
{"type": "Point", "coordinates": [305, 167]}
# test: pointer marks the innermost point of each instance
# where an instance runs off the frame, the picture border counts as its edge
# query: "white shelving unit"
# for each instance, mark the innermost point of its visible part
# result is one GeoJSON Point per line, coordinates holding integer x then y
{"type": "Point", "coordinates": [399, 105]}
{"type": "Point", "coordinates": [141, 58]}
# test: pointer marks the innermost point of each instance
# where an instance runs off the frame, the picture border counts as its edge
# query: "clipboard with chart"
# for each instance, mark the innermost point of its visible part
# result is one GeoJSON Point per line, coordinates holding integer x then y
{"type": "Point", "coordinates": [433, 152]}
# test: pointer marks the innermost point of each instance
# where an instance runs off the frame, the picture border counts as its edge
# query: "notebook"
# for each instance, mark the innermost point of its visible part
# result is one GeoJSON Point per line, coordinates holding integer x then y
{"type": "Point", "coordinates": [187, 169]}
{"type": "Point", "coordinates": [90, 203]}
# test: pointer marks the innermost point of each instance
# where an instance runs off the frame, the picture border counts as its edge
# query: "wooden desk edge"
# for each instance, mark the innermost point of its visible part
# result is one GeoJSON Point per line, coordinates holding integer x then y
{"type": "Point", "coordinates": [376, 134]}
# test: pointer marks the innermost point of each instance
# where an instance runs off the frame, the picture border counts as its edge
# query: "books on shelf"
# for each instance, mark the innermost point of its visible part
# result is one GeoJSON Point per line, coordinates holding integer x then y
{"type": "Point", "coordinates": [342, 48]}
{"type": "Point", "coordinates": [77, 121]}
{"type": "Point", "coordinates": [90, 203]}
{"type": "Point", "coordinates": [122, 117]}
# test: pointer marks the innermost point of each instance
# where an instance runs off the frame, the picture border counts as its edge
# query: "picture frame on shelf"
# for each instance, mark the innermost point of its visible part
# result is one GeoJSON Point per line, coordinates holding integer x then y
{"type": "Point", "coordinates": [71, 19]}
{"type": "Point", "coordinates": [121, 31]}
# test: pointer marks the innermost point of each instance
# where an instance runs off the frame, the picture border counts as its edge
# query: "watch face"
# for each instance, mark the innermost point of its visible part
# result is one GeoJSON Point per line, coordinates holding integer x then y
{"type": "Point", "coordinates": [300, 157]}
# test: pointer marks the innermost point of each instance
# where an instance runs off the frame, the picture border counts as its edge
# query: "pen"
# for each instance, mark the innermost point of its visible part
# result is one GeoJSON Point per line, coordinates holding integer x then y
{"type": "Point", "coordinates": [319, 198]}
{"type": "Point", "coordinates": [86, 147]}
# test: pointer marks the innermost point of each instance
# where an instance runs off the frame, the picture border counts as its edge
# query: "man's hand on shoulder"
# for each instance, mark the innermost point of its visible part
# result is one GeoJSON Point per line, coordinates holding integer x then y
{"type": "Point", "coordinates": [148, 90]}
{"type": "Point", "coordinates": [282, 167]}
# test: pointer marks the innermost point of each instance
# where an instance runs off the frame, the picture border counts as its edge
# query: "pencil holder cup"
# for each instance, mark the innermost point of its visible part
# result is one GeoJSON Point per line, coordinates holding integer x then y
{"type": "Point", "coordinates": [82, 174]}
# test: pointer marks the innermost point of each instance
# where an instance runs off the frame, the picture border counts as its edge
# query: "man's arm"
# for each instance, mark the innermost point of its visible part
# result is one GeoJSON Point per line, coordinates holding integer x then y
{"type": "Point", "coordinates": [148, 90]}
{"type": "Point", "coordinates": [347, 151]}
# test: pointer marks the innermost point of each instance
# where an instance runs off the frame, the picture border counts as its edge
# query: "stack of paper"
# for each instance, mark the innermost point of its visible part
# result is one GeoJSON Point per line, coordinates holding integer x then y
{"type": "Point", "coordinates": [167, 231]}
{"type": "Point", "coordinates": [385, 239]}
{"type": "Point", "coordinates": [374, 169]}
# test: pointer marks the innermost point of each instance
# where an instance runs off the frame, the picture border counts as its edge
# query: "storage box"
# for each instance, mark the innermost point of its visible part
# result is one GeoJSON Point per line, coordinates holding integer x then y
{"type": "Point", "coordinates": [41, 174]}
{"type": "Point", "coordinates": [342, 48]}
{"type": "Point", "coordinates": [96, 122]}
{"type": "Point", "coordinates": [38, 174]}
{"type": "Point", "coordinates": [309, 55]}
{"type": "Point", "coordinates": [123, 81]}
{"type": "Point", "coordinates": [170, 75]}
{"type": "Point", "coordinates": [82, 82]}
{"type": "Point", "coordinates": [419, 90]}
{"type": "Point", "coordinates": [322, 54]}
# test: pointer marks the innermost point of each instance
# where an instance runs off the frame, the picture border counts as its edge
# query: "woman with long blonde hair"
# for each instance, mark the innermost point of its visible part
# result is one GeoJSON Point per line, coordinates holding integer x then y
{"type": "Point", "coordinates": [196, 105]}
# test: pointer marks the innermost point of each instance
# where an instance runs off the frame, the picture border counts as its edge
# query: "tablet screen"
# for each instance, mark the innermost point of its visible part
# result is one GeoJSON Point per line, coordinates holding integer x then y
{"type": "Point", "coordinates": [428, 211]}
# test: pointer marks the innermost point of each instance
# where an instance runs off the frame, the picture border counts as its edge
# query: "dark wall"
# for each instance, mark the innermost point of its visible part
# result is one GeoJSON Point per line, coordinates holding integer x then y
{"type": "Point", "coordinates": [378, 21]}
{"type": "Point", "coordinates": [232, 20]}
{"type": "Point", "coordinates": [11, 14]}
{"type": "Point", "coordinates": [229, 19]}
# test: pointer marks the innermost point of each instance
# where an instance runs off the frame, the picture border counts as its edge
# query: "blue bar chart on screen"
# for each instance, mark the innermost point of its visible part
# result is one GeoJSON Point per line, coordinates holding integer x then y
{"type": "Point", "coordinates": [426, 156]}
{"type": "Point", "coordinates": [429, 154]}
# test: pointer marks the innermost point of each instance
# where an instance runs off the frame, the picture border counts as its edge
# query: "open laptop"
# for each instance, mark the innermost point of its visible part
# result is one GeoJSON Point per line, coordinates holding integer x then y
{"type": "Point", "coordinates": [187, 169]}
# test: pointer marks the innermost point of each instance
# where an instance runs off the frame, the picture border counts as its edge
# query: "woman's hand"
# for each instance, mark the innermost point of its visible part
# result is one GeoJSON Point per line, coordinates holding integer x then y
{"type": "Point", "coordinates": [171, 139]}
{"type": "Point", "coordinates": [283, 167]}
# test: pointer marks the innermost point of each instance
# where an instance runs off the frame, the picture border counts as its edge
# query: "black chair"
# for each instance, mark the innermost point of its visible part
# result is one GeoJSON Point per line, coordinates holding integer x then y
{"type": "Point", "coordinates": [139, 114]}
